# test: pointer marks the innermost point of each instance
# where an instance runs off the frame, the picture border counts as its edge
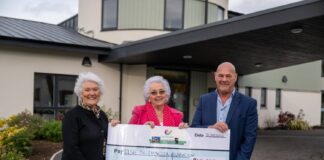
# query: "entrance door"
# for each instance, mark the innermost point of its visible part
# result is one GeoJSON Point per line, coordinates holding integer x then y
{"type": "Point", "coordinates": [179, 84]}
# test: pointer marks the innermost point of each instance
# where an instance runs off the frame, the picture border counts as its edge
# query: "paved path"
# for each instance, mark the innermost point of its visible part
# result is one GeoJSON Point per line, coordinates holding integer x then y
{"type": "Point", "coordinates": [289, 145]}
{"type": "Point", "coordinates": [284, 145]}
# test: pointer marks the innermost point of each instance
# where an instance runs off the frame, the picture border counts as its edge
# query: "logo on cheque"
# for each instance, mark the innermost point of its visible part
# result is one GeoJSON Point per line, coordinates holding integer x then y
{"type": "Point", "coordinates": [167, 132]}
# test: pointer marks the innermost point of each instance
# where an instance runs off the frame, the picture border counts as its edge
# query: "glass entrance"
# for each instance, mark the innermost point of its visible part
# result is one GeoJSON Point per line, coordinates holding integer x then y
{"type": "Point", "coordinates": [179, 84]}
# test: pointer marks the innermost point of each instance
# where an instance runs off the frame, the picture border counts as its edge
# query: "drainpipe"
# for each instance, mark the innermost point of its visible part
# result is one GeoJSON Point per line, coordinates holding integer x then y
{"type": "Point", "coordinates": [120, 90]}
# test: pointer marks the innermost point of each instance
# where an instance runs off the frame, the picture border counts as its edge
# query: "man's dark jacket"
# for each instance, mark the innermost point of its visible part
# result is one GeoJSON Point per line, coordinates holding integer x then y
{"type": "Point", "coordinates": [242, 120]}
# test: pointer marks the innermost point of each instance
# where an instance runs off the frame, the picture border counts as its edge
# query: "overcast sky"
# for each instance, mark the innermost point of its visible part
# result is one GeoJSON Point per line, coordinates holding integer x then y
{"type": "Point", "coordinates": [55, 11]}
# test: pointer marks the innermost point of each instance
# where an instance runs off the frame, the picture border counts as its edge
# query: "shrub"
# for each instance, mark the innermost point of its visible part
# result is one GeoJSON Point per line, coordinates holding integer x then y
{"type": "Point", "coordinates": [3, 123]}
{"type": "Point", "coordinates": [51, 130]}
{"type": "Point", "coordinates": [26, 119]}
{"type": "Point", "coordinates": [16, 139]}
{"type": "Point", "coordinates": [269, 123]}
{"type": "Point", "coordinates": [284, 118]}
{"type": "Point", "coordinates": [298, 124]}
{"type": "Point", "coordinates": [16, 133]}
{"type": "Point", "coordinates": [20, 142]}
{"type": "Point", "coordinates": [11, 155]}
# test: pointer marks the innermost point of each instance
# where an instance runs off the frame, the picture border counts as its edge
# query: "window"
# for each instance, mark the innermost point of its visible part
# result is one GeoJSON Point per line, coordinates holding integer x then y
{"type": "Point", "coordinates": [71, 23]}
{"type": "Point", "coordinates": [215, 13]}
{"type": "Point", "coordinates": [179, 85]}
{"type": "Point", "coordinates": [53, 93]}
{"type": "Point", "coordinates": [263, 97]}
{"type": "Point", "coordinates": [278, 98]}
{"type": "Point", "coordinates": [211, 13]}
{"type": "Point", "coordinates": [322, 109]}
{"type": "Point", "coordinates": [322, 118]}
{"type": "Point", "coordinates": [173, 14]}
{"type": "Point", "coordinates": [220, 13]}
{"type": "Point", "coordinates": [322, 68]}
{"type": "Point", "coordinates": [109, 17]}
{"type": "Point", "coordinates": [248, 91]}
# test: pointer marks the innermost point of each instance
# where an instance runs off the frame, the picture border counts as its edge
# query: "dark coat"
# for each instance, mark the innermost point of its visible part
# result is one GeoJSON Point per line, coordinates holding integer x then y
{"type": "Point", "coordinates": [242, 120]}
{"type": "Point", "coordinates": [83, 134]}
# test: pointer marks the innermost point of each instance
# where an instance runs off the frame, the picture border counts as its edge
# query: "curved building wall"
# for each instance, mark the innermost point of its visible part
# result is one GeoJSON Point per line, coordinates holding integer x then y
{"type": "Point", "coordinates": [139, 19]}
{"type": "Point", "coordinates": [140, 14]}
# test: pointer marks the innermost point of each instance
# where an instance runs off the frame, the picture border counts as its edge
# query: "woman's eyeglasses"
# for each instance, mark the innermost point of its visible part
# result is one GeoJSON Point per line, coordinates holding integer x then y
{"type": "Point", "coordinates": [160, 92]}
{"type": "Point", "coordinates": [91, 89]}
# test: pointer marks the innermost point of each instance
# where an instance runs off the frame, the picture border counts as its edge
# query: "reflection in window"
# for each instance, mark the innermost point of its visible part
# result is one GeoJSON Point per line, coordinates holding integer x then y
{"type": "Point", "coordinates": [53, 92]}
{"type": "Point", "coordinates": [173, 14]}
{"type": "Point", "coordinates": [278, 98]}
{"type": "Point", "coordinates": [109, 17]}
{"type": "Point", "coordinates": [65, 86]}
{"type": "Point", "coordinates": [263, 97]}
{"type": "Point", "coordinates": [43, 90]}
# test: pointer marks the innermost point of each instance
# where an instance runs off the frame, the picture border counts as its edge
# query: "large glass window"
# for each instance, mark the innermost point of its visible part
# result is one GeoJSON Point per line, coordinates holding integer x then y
{"type": "Point", "coordinates": [278, 98]}
{"type": "Point", "coordinates": [53, 93]}
{"type": "Point", "coordinates": [173, 14]}
{"type": "Point", "coordinates": [109, 17]}
{"type": "Point", "coordinates": [263, 97]}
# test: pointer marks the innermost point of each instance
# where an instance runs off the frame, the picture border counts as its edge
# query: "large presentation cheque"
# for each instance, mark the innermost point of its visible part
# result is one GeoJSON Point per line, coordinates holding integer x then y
{"type": "Point", "coordinates": [140, 142]}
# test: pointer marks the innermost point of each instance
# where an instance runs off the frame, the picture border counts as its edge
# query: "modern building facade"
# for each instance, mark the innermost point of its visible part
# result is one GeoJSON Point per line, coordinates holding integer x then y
{"type": "Point", "coordinates": [129, 41]}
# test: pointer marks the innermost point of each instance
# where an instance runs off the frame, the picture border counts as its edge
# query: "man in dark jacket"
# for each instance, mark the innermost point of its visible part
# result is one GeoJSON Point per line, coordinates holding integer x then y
{"type": "Point", "coordinates": [225, 109]}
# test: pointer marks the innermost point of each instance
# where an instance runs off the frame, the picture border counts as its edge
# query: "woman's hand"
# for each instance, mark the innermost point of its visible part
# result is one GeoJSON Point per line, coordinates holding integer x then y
{"type": "Point", "coordinates": [183, 125]}
{"type": "Point", "coordinates": [114, 122]}
{"type": "Point", "coordinates": [150, 123]}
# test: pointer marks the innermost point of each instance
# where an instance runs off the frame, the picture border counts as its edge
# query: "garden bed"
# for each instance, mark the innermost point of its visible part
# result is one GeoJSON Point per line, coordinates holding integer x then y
{"type": "Point", "coordinates": [43, 150]}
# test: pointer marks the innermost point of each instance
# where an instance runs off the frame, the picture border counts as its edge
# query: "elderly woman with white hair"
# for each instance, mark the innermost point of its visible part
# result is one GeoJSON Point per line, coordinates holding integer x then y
{"type": "Point", "coordinates": [85, 126]}
{"type": "Point", "coordinates": [156, 112]}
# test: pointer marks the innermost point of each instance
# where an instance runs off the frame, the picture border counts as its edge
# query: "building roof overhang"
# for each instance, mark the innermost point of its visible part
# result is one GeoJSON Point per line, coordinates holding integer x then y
{"type": "Point", "coordinates": [25, 33]}
{"type": "Point", "coordinates": [254, 42]}
{"type": "Point", "coordinates": [37, 44]}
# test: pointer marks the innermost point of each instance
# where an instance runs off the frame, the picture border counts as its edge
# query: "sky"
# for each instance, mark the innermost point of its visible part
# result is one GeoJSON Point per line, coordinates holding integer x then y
{"type": "Point", "coordinates": [56, 11]}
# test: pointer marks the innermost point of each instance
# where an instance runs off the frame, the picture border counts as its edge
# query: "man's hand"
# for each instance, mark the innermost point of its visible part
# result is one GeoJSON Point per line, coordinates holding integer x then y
{"type": "Point", "coordinates": [221, 126]}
